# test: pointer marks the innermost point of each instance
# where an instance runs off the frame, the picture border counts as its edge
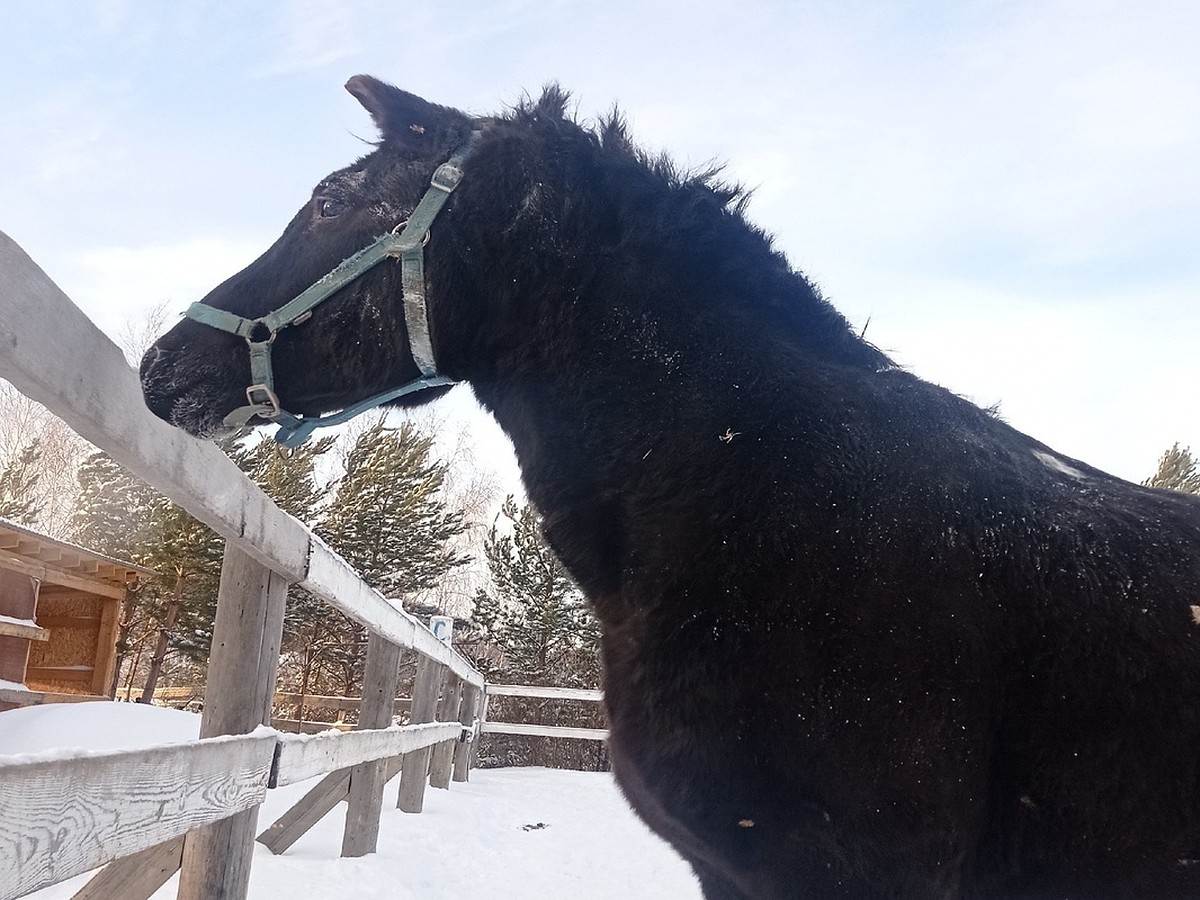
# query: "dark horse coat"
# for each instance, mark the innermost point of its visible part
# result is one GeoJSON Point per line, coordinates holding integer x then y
{"type": "Point", "coordinates": [861, 638]}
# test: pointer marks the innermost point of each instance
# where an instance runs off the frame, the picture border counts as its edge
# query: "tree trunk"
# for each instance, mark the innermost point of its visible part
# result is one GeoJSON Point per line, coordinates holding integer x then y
{"type": "Point", "coordinates": [160, 650]}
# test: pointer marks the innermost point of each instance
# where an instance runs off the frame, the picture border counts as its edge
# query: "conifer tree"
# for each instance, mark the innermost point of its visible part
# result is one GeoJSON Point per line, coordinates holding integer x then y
{"type": "Point", "coordinates": [1177, 471]}
{"type": "Point", "coordinates": [387, 518]}
{"type": "Point", "coordinates": [18, 486]}
{"type": "Point", "coordinates": [535, 611]}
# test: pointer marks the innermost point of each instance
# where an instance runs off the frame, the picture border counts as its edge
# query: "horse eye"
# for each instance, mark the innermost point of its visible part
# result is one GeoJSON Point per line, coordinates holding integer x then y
{"type": "Point", "coordinates": [330, 207]}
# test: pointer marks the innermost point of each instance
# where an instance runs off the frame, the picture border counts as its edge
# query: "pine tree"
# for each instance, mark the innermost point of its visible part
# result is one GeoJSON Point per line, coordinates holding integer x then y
{"type": "Point", "coordinates": [112, 510]}
{"type": "Point", "coordinates": [1177, 470]}
{"type": "Point", "coordinates": [387, 518]}
{"type": "Point", "coordinates": [19, 501]}
{"type": "Point", "coordinates": [535, 611]}
{"type": "Point", "coordinates": [120, 516]}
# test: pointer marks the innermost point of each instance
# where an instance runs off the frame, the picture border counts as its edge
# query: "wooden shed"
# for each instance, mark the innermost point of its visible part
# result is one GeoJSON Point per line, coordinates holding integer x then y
{"type": "Point", "coordinates": [60, 614]}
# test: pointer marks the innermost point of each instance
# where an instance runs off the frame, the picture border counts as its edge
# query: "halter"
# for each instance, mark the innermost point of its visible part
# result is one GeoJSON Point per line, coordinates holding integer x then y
{"type": "Point", "coordinates": [409, 246]}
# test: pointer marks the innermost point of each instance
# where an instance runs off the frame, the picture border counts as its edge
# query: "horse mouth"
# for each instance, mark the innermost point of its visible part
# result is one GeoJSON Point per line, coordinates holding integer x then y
{"type": "Point", "coordinates": [196, 404]}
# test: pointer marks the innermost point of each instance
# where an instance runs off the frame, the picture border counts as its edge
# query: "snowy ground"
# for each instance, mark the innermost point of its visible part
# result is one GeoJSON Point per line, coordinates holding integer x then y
{"type": "Point", "coordinates": [532, 834]}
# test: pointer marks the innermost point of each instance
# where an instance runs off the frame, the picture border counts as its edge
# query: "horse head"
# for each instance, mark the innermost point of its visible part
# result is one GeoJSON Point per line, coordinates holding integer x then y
{"type": "Point", "coordinates": [354, 343]}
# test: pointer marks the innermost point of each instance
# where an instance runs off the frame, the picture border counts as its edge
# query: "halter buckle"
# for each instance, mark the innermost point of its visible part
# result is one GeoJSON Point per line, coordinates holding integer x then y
{"type": "Point", "coordinates": [268, 398]}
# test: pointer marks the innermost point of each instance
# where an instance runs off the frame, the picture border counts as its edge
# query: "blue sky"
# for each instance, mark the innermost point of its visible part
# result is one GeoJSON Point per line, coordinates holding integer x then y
{"type": "Point", "coordinates": [1008, 191]}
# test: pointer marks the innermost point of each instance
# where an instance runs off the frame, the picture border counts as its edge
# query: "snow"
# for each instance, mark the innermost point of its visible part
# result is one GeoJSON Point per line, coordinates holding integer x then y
{"type": "Point", "coordinates": [530, 833]}
{"type": "Point", "coordinates": [1056, 464]}
{"type": "Point", "coordinates": [13, 620]}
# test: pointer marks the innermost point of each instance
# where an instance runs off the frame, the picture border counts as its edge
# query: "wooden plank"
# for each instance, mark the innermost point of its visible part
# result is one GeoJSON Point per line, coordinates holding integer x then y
{"type": "Point", "coordinates": [307, 812]}
{"type": "Point", "coordinates": [105, 680]}
{"type": "Point", "coordinates": [560, 731]}
{"type": "Point", "coordinates": [308, 726]}
{"type": "Point", "coordinates": [22, 630]}
{"type": "Point", "coordinates": [414, 770]}
{"type": "Point", "coordinates": [365, 798]}
{"type": "Point", "coordinates": [64, 816]}
{"type": "Point", "coordinates": [333, 580]}
{"type": "Point", "coordinates": [548, 693]}
{"type": "Point", "coordinates": [303, 756]}
{"type": "Point", "coordinates": [312, 807]}
{"type": "Point", "coordinates": [342, 704]}
{"type": "Point", "coordinates": [60, 673]}
{"type": "Point", "coordinates": [442, 756]}
{"type": "Point", "coordinates": [65, 579]}
{"type": "Point", "coordinates": [135, 877]}
{"type": "Point", "coordinates": [241, 683]}
{"type": "Point", "coordinates": [69, 621]}
{"type": "Point", "coordinates": [27, 697]}
{"type": "Point", "coordinates": [99, 396]}
{"type": "Point", "coordinates": [468, 710]}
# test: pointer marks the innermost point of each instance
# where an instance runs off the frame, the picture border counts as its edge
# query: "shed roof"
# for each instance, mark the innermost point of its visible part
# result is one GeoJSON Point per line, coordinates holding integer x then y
{"type": "Point", "coordinates": [20, 542]}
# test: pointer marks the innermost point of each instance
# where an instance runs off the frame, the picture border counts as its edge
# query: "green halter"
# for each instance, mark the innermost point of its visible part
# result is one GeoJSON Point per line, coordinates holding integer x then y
{"type": "Point", "coordinates": [259, 334]}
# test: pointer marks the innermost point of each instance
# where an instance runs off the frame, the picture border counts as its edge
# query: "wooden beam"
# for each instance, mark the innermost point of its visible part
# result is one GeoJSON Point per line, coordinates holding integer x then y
{"type": "Point", "coordinates": [64, 816]}
{"type": "Point", "coordinates": [468, 712]}
{"type": "Point", "coordinates": [54, 576]}
{"type": "Point", "coordinates": [361, 834]}
{"type": "Point", "coordinates": [135, 877]}
{"type": "Point", "coordinates": [59, 673]}
{"type": "Point", "coordinates": [304, 756]}
{"type": "Point", "coordinates": [241, 682]}
{"type": "Point", "coordinates": [549, 693]}
{"type": "Point", "coordinates": [414, 771]}
{"type": "Point", "coordinates": [23, 630]}
{"type": "Point", "coordinates": [68, 621]}
{"type": "Point", "coordinates": [561, 731]}
{"type": "Point", "coordinates": [27, 697]}
{"type": "Point", "coordinates": [38, 322]}
{"type": "Point", "coordinates": [442, 756]}
{"type": "Point", "coordinates": [106, 647]}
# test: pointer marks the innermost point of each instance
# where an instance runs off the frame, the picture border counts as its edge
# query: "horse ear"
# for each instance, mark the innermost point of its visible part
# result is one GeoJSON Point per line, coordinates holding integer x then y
{"type": "Point", "coordinates": [397, 113]}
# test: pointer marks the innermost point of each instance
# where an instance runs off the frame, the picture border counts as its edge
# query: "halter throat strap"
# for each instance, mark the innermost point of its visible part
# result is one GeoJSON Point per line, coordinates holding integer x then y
{"type": "Point", "coordinates": [405, 242]}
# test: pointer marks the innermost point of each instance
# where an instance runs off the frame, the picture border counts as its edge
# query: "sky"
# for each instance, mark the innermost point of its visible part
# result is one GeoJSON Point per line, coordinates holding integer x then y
{"type": "Point", "coordinates": [1005, 195]}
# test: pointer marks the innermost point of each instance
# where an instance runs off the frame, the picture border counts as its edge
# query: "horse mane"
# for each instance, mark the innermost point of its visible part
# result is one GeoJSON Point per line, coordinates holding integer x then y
{"type": "Point", "coordinates": [693, 214]}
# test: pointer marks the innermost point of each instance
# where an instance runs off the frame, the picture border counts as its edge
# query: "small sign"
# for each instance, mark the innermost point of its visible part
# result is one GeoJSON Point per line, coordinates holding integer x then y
{"type": "Point", "coordinates": [442, 628]}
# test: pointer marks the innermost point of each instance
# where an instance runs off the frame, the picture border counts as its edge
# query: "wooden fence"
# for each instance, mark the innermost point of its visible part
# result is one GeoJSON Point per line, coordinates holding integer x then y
{"type": "Point", "coordinates": [194, 807]}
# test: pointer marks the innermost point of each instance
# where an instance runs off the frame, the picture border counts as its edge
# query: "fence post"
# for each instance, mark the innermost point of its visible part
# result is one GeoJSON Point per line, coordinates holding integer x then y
{"type": "Point", "coordinates": [484, 699]}
{"type": "Point", "coordinates": [466, 717]}
{"type": "Point", "coordinates": [414, 770]}
{"type": "Point", "coordinates": [367, 779]}
{"type": "Point", "coordinates": [443, 753]}
{"type": "Point", "coordinates": [241, 686]}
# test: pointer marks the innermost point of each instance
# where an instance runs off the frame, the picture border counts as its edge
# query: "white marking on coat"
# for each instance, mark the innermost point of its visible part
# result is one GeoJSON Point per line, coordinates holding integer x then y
{"type": "Point", "coordinates": [1053, 462]}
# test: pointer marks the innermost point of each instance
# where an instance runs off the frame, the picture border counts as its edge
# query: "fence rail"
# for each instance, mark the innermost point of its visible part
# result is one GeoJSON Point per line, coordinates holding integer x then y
{"type": "Point", "coordinates": [62, 816]}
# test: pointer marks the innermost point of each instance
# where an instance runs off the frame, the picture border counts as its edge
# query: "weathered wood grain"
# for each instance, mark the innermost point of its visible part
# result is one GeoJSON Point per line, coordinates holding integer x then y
{"type": "Point", "coordinates": [442, 755]}
{"type": "Point", "coordinates": [99, 396]}
{"type": "Point", "coordinates": [549, 693]}
{"type": "Point", "coordinates": [135, 877]}
{"type": "Point", "coordinates": [303, 756]}
{"type": "Point", "coordinates": [561, 731]}
{"type": "Point", "coordinates": [242, 665]}
{"type": "Point", "coordinates": [63, 816]}
{"type": "Point", "coordinates": [414, 770]}
{"type": "Point", "coordinates": [468, 712]}
{"type": "Point", "coordinates": [365, 797]}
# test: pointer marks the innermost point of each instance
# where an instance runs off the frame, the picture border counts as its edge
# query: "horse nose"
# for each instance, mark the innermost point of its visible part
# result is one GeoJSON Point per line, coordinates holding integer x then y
{"type": "Point", "coordinates": [153, 381]}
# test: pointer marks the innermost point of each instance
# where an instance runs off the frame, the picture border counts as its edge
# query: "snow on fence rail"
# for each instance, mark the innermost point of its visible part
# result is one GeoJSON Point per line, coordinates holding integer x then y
{"type": "Point", "coordinates": [487, 726]}
{"type": "Point", "coordinates": [194, 806]}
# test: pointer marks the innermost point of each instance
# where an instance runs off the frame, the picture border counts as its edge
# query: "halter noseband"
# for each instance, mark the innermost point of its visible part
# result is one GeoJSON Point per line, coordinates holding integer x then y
{"type": "Point", "coordinates": [259, 334]}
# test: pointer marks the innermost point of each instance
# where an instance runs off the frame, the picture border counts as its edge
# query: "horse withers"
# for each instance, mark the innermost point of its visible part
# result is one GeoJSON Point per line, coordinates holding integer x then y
{"type": "Point", "coordinates": [861, 639]}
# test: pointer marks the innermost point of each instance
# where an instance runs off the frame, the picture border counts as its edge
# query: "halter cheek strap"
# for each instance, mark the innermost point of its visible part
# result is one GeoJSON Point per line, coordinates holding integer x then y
{"type": "Point", "coordinates": [409, 246]}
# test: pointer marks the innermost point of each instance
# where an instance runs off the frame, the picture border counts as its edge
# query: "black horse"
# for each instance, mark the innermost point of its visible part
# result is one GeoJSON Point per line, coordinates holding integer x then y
{"type": "Point", "coordinates": [861, 638]}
